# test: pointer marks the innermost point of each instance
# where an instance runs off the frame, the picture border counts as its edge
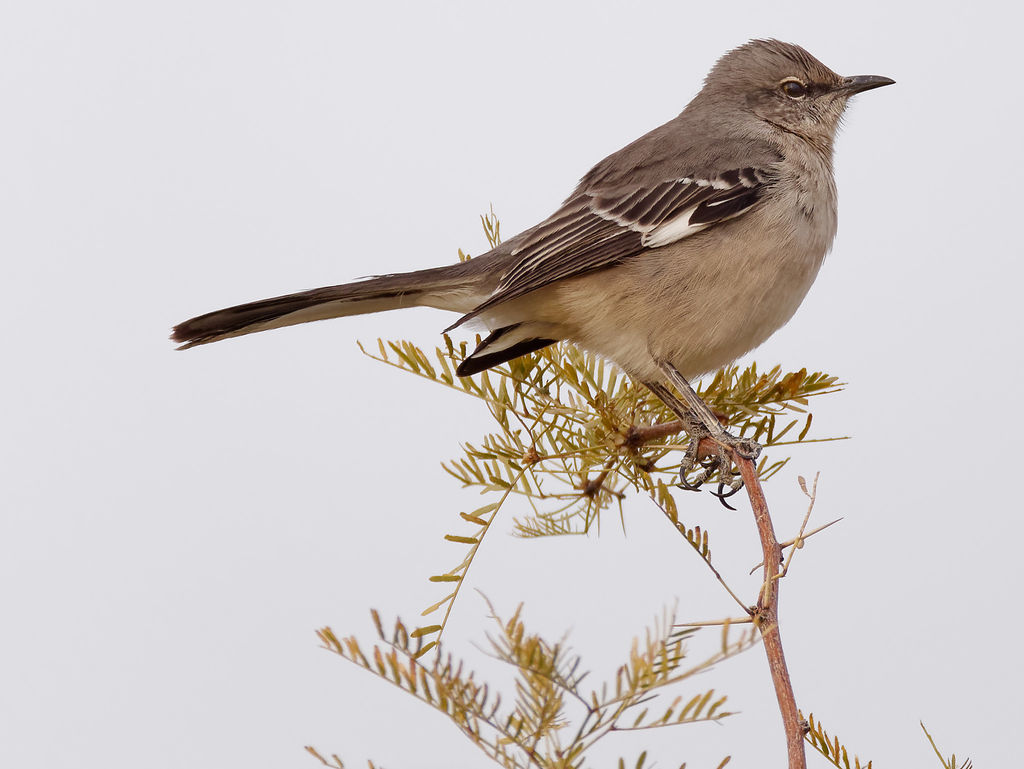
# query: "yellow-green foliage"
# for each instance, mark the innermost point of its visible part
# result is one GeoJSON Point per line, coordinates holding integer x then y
{"type": "Point", "coordinates": [571, 439]}
{"type": "Point", "coordinates": [565, 438]}
{"type": "Point", "coordinates": [830, 747]}
{"type": "Point", "coordinates": [553, 719]}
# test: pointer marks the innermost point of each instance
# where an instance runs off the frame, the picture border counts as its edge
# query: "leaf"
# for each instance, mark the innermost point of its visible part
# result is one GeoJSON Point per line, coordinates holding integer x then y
{"type": "Point", "coordinates": [830, 747]}
{"type": "Point", "coordinates": [426, 630]}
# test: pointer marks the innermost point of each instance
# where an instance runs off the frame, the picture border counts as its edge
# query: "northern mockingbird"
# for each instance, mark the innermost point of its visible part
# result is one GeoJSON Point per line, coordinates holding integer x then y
{"type": "Point", "coordinates": [673, 256]}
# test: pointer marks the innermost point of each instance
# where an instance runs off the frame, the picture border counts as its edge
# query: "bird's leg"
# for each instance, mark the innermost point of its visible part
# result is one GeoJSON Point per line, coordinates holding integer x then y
{"type": "Point", "coordinates": [700, 422]}
{"type": "Point", "coordinates": [693, 428]}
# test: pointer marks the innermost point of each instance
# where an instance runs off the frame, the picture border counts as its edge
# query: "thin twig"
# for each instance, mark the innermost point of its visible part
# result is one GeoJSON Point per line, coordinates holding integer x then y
{"type": "Point", "coordinates": [659, 724]}
{"type": "Point", "coordinates": [723, 583]}
{"type": "Point", "coordinates": [590, 488]}
{"type": "Point", "coordinates": [706, 558]}
{"type": "Point", "coordinates": [468, 560]}
{"type": "Point", "coordinates": [767, 615]}
{"type": "Point", "coordinates": [709, 623]}
{"type": "Point", "coordinates": [798, 542]}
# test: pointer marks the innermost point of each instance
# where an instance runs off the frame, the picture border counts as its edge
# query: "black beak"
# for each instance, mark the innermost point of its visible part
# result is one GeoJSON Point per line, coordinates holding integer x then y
{"type": "Point", "coordinates": [858, 83]}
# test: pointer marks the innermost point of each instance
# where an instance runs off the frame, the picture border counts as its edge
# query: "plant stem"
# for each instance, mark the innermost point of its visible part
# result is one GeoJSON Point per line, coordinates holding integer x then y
{"type": "Point", "coordinates": [767, 612]}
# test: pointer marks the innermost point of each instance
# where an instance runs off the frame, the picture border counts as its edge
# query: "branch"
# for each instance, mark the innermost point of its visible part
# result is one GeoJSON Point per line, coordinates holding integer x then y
{"type": "Point", "coordinates": [798, 541]}
{"type": "Point", "coordinates": [638, 435]}
{"type": "Point", "coordinates": [718, 622]}
{"type": "Point", "coordinates": [767, 618]}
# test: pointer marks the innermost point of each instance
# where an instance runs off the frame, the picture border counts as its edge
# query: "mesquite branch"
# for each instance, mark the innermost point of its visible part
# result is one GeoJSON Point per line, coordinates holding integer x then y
{"type": "Point", "coordinates": [766, 615]}
{"type": "Point", "coordinates": [766, 611]}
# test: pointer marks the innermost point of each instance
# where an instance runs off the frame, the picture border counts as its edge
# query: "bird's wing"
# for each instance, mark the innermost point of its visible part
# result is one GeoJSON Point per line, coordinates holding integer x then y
{"type": "Point", "coordinates": [597, 228]}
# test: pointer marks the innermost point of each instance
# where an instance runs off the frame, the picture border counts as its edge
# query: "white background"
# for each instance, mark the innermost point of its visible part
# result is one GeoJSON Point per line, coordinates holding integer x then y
{"type": "Point", "coordinates": [174, 526]}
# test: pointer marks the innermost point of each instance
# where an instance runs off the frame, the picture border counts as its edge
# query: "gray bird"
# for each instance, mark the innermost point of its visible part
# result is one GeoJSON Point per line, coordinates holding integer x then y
{"type": "Point", "coordinates": [673, 256]}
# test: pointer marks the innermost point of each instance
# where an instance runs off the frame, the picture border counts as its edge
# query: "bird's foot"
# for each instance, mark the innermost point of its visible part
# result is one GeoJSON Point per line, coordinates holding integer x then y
{"type": "Point", "coordinates": [714, 454]}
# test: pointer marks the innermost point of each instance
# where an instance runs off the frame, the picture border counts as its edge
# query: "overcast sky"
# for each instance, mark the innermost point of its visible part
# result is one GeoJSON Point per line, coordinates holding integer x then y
{"type": "Point", "coordinates": [174, 526]}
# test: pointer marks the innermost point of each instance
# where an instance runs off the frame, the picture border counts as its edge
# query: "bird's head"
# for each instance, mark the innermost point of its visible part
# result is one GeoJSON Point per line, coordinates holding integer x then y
{"type": "Point", "coordinates": [784, 86]}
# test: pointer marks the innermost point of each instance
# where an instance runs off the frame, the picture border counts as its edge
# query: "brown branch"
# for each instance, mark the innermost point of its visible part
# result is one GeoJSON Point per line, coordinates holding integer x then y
{"type": "Point", "coordinates": [766, 615]}
{"type": "Point", "coordinates": [766, 612]}
{"type": "Point", "coordinates": [638, 435]}
{"type": "Point", "coordinates": [590, 488]}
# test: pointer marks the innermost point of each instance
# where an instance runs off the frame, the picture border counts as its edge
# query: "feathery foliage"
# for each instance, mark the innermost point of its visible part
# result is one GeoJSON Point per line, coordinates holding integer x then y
{"type": "Point", "coordinates": [830, 747]}
{"type": "Point", "coordinates": [554, 719]}
{"type": "Point", "coordinates": [947, 763]}
{"type": "Point", "coordinates": [572, 438]}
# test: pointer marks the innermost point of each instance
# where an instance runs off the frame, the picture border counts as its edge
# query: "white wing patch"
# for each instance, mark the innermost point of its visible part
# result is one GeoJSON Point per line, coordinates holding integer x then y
{"type": "Point", "coordinates": [673, 230]}
{"type": "Point", "coordinates": [598, 228]}
{"type": "Point", "coordinates": [678, 208]}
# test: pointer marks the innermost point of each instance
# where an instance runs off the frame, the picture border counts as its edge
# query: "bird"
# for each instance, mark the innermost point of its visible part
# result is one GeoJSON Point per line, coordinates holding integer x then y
{"type": "Point", "coordinates": [672, 257]}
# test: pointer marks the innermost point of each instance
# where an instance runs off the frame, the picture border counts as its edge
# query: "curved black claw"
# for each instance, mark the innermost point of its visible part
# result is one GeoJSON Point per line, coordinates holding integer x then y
{"type": "Point", "coordinates": [685, 484]}
{"type": "Point", "coordinates": [722, 496]}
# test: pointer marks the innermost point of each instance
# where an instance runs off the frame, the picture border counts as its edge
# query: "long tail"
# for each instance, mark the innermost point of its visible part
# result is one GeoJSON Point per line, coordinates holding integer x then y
{"type": "Point", "coordinates": [458, 287]}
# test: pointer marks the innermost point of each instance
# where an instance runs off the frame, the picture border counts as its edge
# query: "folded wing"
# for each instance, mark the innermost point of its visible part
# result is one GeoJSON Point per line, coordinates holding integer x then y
{"type": "Point", "coordinates": [599, 228]}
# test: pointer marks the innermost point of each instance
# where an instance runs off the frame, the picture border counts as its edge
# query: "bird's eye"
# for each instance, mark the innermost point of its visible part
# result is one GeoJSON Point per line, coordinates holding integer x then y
{"type": "Point", "coordinates": [794, 89]}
